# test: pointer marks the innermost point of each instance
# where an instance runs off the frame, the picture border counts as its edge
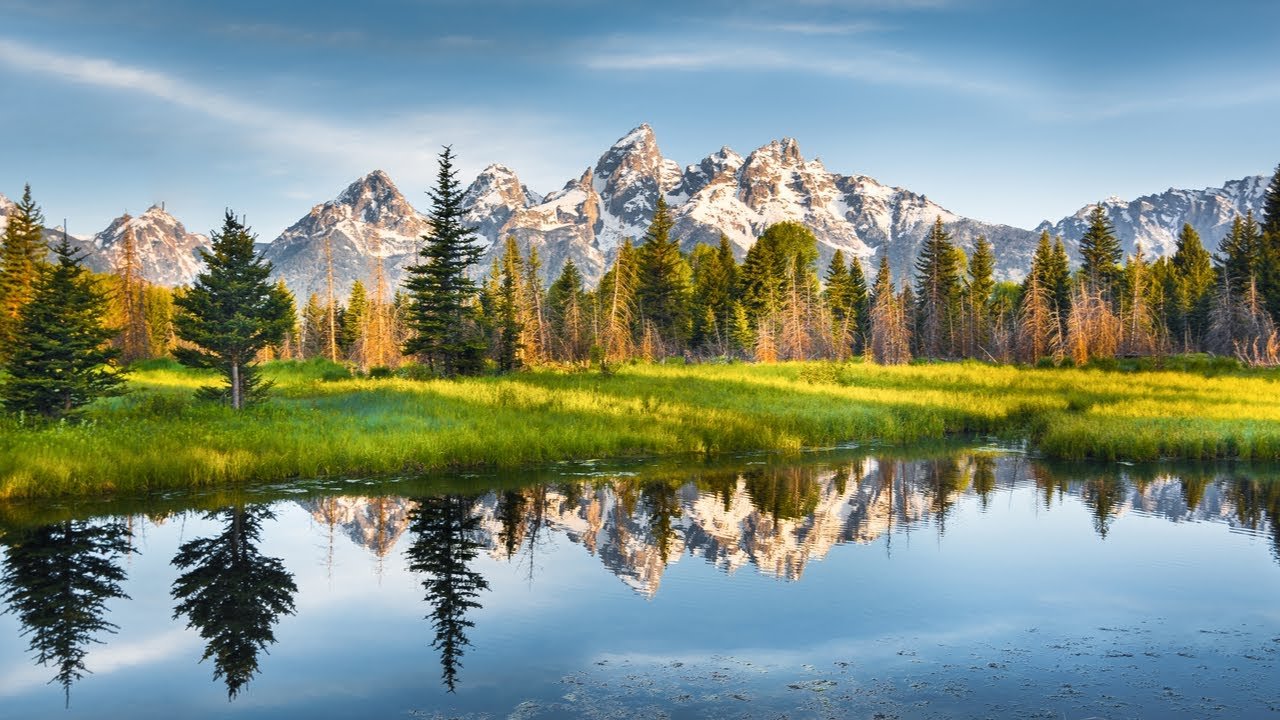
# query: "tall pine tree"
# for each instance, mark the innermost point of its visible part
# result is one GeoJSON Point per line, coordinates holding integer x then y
{"type": "Point", "coordinates": [442, 312]}
{"type": "Point", "coordinates": [60, 360]}
{"type": "Point", "coordinates": [937, 294]}
{"type": "Point", "coordinates": [22, 253]}
{"type": "Point", "coordinates": [662, 288]}
{"type": "Point", "coordinates": [1100, 253]}
{"type": "Point", "coordinates": [1269, 250]}
{"type": "Point", "coordinates": [231, 313]}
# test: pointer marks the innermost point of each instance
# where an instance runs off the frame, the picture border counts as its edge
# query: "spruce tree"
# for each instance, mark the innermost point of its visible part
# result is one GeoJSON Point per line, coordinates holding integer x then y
{"type": "Point", "coordinates": [315, 325]}
{"type": "Point", "coordinates": [231, 313]}
{"type": "Point", "coordinates": [22, 254]}
{"type": "Point", "coordinates": [616, 292]}
{"type": "Point", "coordinates": [714, 285]}
{"type": "Point", "coordinates": [1192, 289]}
{"type": "Point", "coordinates": [662, 288]}
{"type": "Point", "coordinates": [1241, 252]}
{"type": "Point", "coordinates": [506, 323]}
{"type": "Point", "coordinates": [981, 284]}
{"type": "Point", "coordinates": [60, 360]}
{"type": "Point", "coordinates": [1269, 247]}
{"type": "Point", "coordinates": [1100, 252]}
{"type": "Point", "coordinates": [937, 293]}
{"type": "Point", "coordinates": [354, 318]}
{"type": "Point", "coordinates": [566, 311]}
{"type": "Point", "coordinates": [839, 297]}
{"type": "Point", "coordinates": [860, 299]}
{"type": "Point", "coordinates": [442, 312]}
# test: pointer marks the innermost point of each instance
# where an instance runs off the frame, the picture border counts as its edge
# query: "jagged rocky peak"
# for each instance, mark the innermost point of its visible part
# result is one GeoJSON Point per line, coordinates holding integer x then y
{"type": "Point", "coordinates": [168, 254]}
{"type": "Point", "coordinates": [375, 199]}
{"type": "Point", "coordinates": [721, 164]}
{"type": "Point", "coordinates": [628, 177]}
{"type": "Point", "coordinates": [499, 185]}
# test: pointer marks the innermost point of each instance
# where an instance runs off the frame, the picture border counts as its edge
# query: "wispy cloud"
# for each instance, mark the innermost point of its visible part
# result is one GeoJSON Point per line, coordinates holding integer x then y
{"type": "Point", "coordinates": [405, 143]}
{"type": "Point", "coordinates": [869, 65]}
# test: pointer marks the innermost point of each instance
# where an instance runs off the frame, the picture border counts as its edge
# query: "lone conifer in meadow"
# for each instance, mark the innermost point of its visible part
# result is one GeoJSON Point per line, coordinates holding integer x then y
{"type": "Point", "coordinates": [442, 313]}
{"type": "Point", "coordinates": [22, 253]}
{"type": "Point", "coordinates": [60, 358]}
{"type": "Point", "coordinates": [231, 313]}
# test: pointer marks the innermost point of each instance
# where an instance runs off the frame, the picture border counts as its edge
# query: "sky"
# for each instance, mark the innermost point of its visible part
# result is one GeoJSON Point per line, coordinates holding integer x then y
{"type": "Point", "coordinates": [1001, 110]}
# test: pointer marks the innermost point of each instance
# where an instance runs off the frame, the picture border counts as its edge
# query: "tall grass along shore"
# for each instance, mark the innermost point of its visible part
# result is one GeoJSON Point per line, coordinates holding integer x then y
{"type": "Point", "coordinates": [321, 421]}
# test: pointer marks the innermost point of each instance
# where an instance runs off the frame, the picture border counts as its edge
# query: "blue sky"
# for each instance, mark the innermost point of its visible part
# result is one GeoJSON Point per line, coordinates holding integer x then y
{"type": "Point", "coordinates": [1001, 110]}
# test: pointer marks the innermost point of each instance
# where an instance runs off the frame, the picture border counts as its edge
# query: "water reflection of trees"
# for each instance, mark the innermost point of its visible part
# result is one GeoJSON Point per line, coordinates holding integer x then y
{"type": "Point", "coordinates": [57, 580]}
{"type": "Point", "coordinates": [445, 542]}
{"type": "Point", "coordinates": [233, 594]}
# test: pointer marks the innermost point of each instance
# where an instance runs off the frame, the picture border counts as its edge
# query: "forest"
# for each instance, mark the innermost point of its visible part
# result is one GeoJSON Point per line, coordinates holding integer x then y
{"type": "Point", "coordinates": [669, 352]}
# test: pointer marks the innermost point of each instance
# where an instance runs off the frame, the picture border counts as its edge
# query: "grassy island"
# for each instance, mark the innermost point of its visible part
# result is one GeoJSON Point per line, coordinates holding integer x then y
{"type": "Point", "coordinates": [320, 421]}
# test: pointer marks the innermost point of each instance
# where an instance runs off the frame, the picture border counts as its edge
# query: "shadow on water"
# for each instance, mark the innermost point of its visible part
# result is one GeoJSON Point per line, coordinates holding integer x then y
{"type": "Point", "coordinates": [61, 565]}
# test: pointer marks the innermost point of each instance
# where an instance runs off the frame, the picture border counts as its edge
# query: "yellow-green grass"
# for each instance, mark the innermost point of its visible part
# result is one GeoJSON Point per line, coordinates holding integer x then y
{"type": "Point", "coordinates": [157, 437]}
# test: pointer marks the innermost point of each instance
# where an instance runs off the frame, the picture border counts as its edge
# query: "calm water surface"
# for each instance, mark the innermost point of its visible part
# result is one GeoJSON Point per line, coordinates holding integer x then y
{"type": "Point", "coordinates": [944, 583]}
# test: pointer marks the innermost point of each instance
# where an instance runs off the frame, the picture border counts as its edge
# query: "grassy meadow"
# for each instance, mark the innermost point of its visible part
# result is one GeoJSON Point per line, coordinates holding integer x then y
{"type": "Point", "coordinates": [321, 422]}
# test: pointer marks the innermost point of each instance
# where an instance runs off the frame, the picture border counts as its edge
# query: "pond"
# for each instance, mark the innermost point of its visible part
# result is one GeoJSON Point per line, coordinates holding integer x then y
{"type": "Point", "coordinates": [867, 583]}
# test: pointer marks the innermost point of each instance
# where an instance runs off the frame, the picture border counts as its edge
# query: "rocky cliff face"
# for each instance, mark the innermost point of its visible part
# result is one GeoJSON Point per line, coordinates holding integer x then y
{"type": "Point", "coordinates": [1153, 222]}
{"type": "Point", "coordinates": [167, 253]}
{"type": "Point", "coordinates": [368, 221]}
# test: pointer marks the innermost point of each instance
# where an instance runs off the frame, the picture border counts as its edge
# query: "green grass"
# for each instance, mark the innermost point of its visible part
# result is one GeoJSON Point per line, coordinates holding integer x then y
{"type": "Point", "coordinates": [320, 421]}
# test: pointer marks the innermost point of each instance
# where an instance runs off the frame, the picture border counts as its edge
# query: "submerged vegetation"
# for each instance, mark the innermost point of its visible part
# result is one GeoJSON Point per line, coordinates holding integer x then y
{"type": "Point", "coordinates": [323, 421]}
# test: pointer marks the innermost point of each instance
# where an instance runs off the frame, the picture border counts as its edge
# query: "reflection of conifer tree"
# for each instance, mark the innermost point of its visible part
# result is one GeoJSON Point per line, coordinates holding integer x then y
{"type": "Point", "coordinates": [510, 514]}
{"type": "Point", "coordinates": [445, 542]}
{"type": "Point", "coordinates": [1102, 494]}
{"type": "Point", "coordinates": [1193, 487]}
{"type": "Point", "coordinates": [232, 593]}
{"type": "Point", "coordinates": [984, 477]}
{"type": "Point", "coordinates": [787, 495]}
{"type": "Point", "coordinates": [943, 481]}
{"type": "Point", "coordinates": [57, 580]}
{"type": "Point", "coordinates": [662, 504]}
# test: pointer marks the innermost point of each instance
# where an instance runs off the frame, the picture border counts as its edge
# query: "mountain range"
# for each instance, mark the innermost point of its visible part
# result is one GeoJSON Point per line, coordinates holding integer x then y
{"type": "Point", "coordinates": [733, 529]}
{"type": "Point", "coordinates": [588, 218]}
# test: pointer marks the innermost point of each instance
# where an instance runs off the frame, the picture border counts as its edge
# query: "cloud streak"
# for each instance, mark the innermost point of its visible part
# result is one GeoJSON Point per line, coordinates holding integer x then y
{"type": "Point", "coordinates": [405, 143]}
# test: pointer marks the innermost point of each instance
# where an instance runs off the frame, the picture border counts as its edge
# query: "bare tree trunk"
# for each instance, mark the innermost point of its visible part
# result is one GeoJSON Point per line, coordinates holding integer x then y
{"type": "Point", "coordinates": [236, 400]}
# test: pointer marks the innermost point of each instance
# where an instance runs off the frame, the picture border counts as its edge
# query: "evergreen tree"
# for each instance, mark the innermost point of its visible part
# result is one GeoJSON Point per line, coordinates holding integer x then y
{"type": "Point", "coordinates": [59, 361]}
{"type": "Point", "coordinates": [507, 324]}
{"type": "Point", "coordinates": [937, 294]}
{"type": "Point", "coordinates": [446, 541]}
{"type": "Point", "coordinates": [981, 285]}
{"type": "Point", "coordinates": [57, 580]}
{"type": "Point", "coordinates": [233, 594]}
{"type": "Point", "coordinates": [1241, 249]}
{"type": "Point", "coordinates": [662, 287]}
{"type": "Point", "coordinates": [714, 291]}
{"type": "Point", "coordinates": [566, 309]}
{"type": "Point", "coordinates": [231, 313]}
{"type": "Point", "coordinates": [354, 319]}
{"type": "Point", "coordinates": [1100, 252]}
{"type": "Point", "coordinates": [860, 300]}
{"type": "Point", "coordinates": [315, 324]}
{"type": "Point", "coordinates": [442, 313]}
{"type": "Point", "coordinates": [1191, 289]}
{"type": "Point", "coordinates": [289, 346]}
{"type": "Point", "coordinates": [840, 296]}
{"type": "Point", "coordinates": [1269, 247]}
{"type": "Point", "coordinates": [22, 254]}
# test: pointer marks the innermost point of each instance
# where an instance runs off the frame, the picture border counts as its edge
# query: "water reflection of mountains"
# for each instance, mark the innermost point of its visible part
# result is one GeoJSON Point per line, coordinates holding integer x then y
{"type": "Point", "coordinates": [778, 520]}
